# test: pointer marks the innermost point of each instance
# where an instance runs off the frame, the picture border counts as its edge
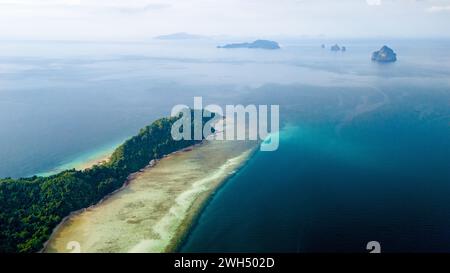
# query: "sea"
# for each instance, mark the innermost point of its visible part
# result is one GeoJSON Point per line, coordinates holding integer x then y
{"type": "Point", "coordinates": [364, 151]}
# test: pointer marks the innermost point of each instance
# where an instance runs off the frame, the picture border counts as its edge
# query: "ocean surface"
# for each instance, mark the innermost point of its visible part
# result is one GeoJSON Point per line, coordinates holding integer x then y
{"type": "Point", "coordinates": [364, 152]}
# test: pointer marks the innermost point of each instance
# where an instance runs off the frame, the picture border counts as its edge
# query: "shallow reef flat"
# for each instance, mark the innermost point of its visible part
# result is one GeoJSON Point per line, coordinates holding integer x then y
{"type": "Point", "coordinates": [155, 209]}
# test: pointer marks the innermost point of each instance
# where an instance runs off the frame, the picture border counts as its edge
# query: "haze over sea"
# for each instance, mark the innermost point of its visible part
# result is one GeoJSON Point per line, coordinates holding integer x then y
{"type": "Point", "coordinates": [364, 152]}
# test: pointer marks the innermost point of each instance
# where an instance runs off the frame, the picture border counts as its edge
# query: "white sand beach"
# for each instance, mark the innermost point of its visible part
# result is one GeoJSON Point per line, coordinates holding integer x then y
{"type": "Point", "coordinates": [155, 210]}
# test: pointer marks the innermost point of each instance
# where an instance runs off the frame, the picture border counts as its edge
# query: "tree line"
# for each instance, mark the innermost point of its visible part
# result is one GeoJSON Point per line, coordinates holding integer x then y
{"type": "Point", "coordinates": [30, 208]}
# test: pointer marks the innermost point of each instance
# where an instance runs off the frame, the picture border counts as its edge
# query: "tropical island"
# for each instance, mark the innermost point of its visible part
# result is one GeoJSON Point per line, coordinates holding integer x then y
{"type": "Point", "coordinates": [30, 208]}
{"type": "Point", "coordinates": [261, 44]}
{"type": "Point", "coordinates": [384, 55]}
{"type": "Point", "coordinates": [157, 208]}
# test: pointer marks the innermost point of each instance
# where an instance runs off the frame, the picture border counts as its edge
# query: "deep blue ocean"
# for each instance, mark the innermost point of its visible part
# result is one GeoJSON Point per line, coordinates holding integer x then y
{"type": "Point", "coordinates": [364, 152]}
{"type": "Point", "coordinates": [385, 181]}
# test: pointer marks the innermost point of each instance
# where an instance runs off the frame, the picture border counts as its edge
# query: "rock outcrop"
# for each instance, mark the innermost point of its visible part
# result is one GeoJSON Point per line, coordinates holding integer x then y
{"type": "Point", "coordinates": [384, 55]}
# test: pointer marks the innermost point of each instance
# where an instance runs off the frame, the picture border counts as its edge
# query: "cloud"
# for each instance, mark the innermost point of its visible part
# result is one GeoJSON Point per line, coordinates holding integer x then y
{"type": "Point", "coordinates": [140, 19]}
{"type": "Point", "coordinates": [136, 6]}
{"type": "Point", "coordinates": [373, 2]}
{"type": "Point", "coordinates": [42, 3]}
{"type": "Point", "coordinates": [139, 9]}
{"type": "Point", "coordinates": [439, 9]}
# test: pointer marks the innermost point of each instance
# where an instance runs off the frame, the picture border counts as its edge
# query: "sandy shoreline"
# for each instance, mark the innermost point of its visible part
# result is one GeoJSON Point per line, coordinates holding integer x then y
{"type": "Point", "coordinates": [84, 162]}
{"type": "Point", "coordinates": [198, 206]}
{"type": "Point", "coordinates": [155, 208]}
{"type": "Point", "coordinates": [96, 161]}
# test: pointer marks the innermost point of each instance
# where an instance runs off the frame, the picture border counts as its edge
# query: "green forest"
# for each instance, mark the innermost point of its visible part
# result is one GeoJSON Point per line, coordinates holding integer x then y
{"type": "Point", "coordinates": [30, 208]}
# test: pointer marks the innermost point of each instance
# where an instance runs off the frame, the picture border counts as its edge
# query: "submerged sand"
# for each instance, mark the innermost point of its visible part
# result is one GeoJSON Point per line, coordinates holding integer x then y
{"type": "Point", "coordinates": [85, 161]}
{"type": "Point", "coordinates": [154, 211]}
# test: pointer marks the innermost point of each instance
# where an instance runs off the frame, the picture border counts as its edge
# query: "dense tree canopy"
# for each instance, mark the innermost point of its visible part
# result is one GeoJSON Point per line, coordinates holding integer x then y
{"type": "Point", "coordinates": [30, 208]}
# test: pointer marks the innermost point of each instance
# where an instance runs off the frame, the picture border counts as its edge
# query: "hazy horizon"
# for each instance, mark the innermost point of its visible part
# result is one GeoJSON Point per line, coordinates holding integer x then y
{"type": "Point", "coordinates": [101, 20]}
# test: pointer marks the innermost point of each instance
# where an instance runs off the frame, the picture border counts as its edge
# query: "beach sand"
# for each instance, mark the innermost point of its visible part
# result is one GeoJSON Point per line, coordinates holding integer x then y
{"type": "Point", "coordinates": [101, 159]}
{"type": "Point", "coordinates": [155, 210]}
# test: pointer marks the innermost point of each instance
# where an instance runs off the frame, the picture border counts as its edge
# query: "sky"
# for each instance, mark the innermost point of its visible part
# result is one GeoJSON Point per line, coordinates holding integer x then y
{"type": "Point", "coordinates": [143, 19]}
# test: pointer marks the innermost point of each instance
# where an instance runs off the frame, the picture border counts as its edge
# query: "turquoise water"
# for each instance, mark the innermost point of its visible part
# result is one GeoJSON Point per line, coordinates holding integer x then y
{"type": "Point", "coordinates": [383, 178]}
{"type": "Point", "coordinates": [62, 101]}
{"type": "Point", "coordinates": [84, 160]}
{"type": "Point", "coordinates": [364, 152]}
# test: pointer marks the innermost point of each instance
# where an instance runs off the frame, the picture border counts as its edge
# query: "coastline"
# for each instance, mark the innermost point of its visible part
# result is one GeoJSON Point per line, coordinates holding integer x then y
{"type": "Point", "coordinates": [127, 182]}
{"type": "Point", "coordinates": [84, 161]}
{"type": "Point", "coordinates": [177, 215]}
{"type": "Point", "coordinates": [199, 205]}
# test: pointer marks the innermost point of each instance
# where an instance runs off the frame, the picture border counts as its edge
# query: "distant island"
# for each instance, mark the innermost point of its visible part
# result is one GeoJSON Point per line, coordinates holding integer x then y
{"type": "Point", "coordinates": [337, 48]}
{"type": "Point", "coordinates": [262, 44]}
{"type": "Point", "coordinates": [179, 36]}
{"type": "Point", "coordinates": [384, 55]}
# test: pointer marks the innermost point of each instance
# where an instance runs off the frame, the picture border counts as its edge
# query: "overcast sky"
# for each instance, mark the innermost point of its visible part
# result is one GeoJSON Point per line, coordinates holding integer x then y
{"type": "Point", "coordinates": [142, 19]}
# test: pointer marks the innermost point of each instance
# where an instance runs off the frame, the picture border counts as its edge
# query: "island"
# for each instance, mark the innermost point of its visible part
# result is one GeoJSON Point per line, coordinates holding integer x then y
{"type": "Point", "coordinates": [155, 211]}
{"type": "Point", "coordinates": [335, 48]}
{"type": "Point", "coordinates": [384, 55]}
{"type": "Point", "coordinates": [262, 44]}
{"type": "Point", "coordinates": [30, 208]}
